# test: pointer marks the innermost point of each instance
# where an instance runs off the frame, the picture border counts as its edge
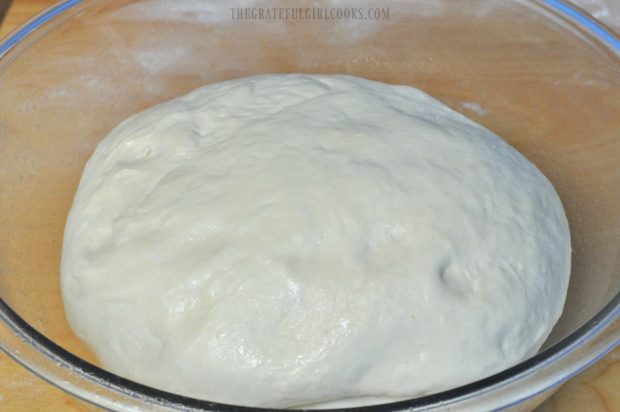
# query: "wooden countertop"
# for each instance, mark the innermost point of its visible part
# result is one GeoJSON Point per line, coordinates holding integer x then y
{"type": "Point", "coordinates": [595, 390]}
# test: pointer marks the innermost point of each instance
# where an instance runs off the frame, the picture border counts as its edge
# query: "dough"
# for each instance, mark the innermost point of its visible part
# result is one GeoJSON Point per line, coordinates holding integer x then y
{"type": "Point", "coordinates": [286, 240]}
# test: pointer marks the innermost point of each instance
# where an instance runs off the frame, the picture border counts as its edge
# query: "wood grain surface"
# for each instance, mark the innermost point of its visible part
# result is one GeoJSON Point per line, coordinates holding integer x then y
{"type": "Point", "coordinates": [595, 390]}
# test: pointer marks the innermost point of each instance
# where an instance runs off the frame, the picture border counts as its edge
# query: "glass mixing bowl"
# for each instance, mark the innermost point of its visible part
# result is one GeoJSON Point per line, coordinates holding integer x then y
{"type": "Point", "coordinates": [541, 74]}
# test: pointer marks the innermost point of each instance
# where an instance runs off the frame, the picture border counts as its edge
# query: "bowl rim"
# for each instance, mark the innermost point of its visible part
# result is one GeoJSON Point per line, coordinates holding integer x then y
{"type": "Point", "coordinates": [63, 359]}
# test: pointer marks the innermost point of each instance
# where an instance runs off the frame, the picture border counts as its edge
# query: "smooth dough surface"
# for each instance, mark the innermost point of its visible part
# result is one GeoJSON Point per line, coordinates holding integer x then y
{"type": "Point", "coordinates": [286, 240]}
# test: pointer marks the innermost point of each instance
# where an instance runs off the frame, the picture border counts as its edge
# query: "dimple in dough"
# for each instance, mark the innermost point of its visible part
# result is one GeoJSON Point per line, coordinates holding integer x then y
{"type": "Point", "coordinates": [286, 240]}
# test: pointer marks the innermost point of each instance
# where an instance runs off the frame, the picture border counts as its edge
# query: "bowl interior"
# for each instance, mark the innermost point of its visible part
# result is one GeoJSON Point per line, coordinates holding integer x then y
{"type": "Point", "coordinates": [543, 84]}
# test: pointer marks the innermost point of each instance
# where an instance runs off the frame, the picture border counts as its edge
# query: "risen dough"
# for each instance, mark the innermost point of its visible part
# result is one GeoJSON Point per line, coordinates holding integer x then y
{"type": "Point", "coordinates": [285, 240]}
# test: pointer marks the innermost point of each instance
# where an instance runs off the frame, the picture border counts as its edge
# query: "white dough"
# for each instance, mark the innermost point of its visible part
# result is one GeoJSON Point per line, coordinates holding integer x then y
{"type": "Point", "coordinates": [285, 240]}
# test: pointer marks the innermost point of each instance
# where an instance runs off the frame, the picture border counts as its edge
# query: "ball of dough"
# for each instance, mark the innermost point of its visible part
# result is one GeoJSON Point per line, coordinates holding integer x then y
{"type": "Point", "coordinates": [286, 240]}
